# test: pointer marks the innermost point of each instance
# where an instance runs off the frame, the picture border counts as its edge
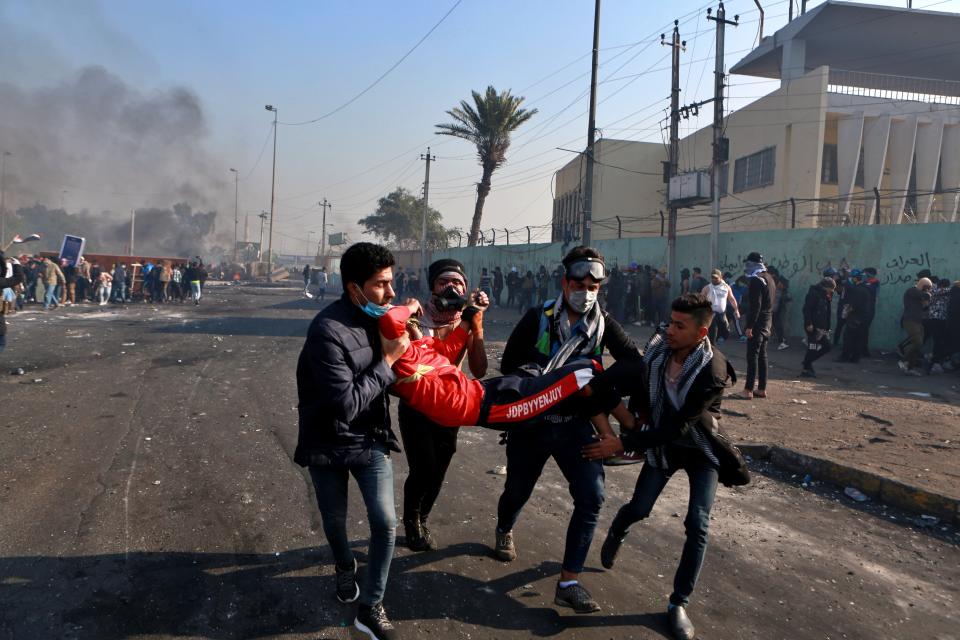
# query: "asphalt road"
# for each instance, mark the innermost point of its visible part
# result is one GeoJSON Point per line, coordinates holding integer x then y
{"type": "Point", "coordinates": [147, 491]}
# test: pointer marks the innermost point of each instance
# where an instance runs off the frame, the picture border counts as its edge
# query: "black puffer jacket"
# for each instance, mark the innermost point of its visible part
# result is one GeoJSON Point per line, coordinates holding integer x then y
{"type": "Point", "coordinates": [342, 382]}
{"type": "Point", "coordinates": [762, 296]}
{"type": "Point", "coordinates": [816, 308]}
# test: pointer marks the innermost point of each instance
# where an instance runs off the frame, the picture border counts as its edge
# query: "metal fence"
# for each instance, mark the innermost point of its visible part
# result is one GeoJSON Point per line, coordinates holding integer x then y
{"type": "Point", "coordinates": [879, 85]}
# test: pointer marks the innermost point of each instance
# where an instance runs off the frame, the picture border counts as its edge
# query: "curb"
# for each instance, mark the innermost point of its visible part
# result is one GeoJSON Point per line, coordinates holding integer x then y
{"type": "Point", "coordinates": [883, 490]}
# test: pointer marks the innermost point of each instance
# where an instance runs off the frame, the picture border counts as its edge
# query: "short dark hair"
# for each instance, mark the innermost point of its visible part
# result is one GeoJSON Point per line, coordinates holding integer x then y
{"type": "Point", "coordinates": [362, 260]}
{"type": "Point", "coordinates": [697, 306]}
{"type": "Point", "coordinates": [581, 252]}
{"type": "Point", "coordinates": [697, 270]}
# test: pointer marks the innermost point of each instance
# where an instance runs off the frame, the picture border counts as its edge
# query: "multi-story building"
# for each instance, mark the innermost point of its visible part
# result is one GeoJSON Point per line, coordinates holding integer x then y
{"type": "Point", "coordinates": [864, 129]}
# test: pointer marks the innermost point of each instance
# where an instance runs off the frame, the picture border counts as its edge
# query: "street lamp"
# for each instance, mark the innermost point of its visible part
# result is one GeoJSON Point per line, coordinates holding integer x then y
{"type": "Point", "coordinates": [273, 182]}
{"type": "Point", "coordinates": [3, 194]}
{"type": "Point", "coordinates": [236, 206]}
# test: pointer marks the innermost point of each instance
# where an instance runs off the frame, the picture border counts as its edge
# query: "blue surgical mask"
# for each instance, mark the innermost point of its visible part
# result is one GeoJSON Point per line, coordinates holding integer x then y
{"type": "Point", "coordinates": [373, 310]}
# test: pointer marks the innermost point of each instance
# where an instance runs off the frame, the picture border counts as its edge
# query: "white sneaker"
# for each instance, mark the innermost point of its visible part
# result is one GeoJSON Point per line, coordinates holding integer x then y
{"type": "Point", "coordinates": [783, 345]}
{"type": "Point", "coordinates": [903, 365]}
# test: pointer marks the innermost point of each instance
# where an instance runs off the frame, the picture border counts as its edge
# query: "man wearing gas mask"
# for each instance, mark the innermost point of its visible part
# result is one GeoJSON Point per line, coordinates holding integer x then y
{"type": "Point", "coordinates": [550, 335]}
{"type": "Point", "coordinates": [428, 446]}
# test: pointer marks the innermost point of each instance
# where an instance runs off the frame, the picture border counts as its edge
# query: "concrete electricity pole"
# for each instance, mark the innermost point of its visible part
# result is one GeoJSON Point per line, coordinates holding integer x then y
{"type": "Point", "coordinates": [720, 145]}
{"type": "Point", "coordinates": [133, 222]}
{"type": "Point", "coordinates": [423, 223]}
{"type": "Point", "coordinates": [263, 216]}
{"type": "Point", "coordinates": [323, 233]}
{"type": "Point", "coordinates": [3, 196]}
{"type": "Point", "coordinates": [273, 185]}
{"type": "Point", "coordinates": [236, 208]}
{"type": "Point", "coordinates": [591, 131]}
{"type": "Point", "coordinates": [677, 46]}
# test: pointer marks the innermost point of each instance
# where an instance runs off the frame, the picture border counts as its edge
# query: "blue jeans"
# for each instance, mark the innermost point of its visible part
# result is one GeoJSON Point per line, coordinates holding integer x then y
{"type": "Point", "coordinates": [118, 291]}
{"type": "Point", "coordinates": [527, 453]}
{"type": "Point", "coordinates": [375, 481]}
{"type": "Point", "coordinates": [703, 488]}
{"type": "Point", "coordinates": [49, 296]}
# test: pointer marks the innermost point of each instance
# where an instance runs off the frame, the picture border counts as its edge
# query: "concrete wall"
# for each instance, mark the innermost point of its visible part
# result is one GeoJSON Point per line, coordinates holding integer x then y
{"type": "Point", "coordinates": [897, 251]}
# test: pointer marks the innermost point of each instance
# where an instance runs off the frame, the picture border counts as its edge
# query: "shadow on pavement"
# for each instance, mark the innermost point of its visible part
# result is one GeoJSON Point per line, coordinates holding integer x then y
{"type": "Point", "coordinates": [242, 326]}
{"type": "Point", "coordinates": [226, 595]}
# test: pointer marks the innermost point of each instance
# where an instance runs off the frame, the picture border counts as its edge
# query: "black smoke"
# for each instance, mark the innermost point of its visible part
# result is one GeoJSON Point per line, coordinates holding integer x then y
{"type": "Point", "coordinates": [96, 143]}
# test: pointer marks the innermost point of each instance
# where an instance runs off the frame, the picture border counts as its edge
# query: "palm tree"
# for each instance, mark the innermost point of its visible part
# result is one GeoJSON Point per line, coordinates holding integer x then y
{"type": "Point", "coordinates": [488, 124]}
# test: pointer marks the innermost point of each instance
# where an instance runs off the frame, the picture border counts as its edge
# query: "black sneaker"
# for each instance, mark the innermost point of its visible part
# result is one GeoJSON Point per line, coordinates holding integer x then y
{"type": "Point", "coordinates": [374, 622]}
{"type": "Point", "coordinates": [347, 588]}
{"type": "Point", "coordinates": [610, 549]}
{"type": "Point", "coordinates": [808, 372]}
{"type": "Point", "coordinates": [577, 598]}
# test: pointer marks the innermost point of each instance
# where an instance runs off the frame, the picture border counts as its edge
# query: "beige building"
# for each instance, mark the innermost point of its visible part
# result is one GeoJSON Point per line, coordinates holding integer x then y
{"type": "Point", "coordinates": [867, 114]}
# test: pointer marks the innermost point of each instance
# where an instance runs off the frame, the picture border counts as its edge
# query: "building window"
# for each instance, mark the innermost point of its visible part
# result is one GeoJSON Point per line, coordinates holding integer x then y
{"type": "Point", "coordinates": [754, 171]}
{"type": "Point", "coordinates": [830, 173]}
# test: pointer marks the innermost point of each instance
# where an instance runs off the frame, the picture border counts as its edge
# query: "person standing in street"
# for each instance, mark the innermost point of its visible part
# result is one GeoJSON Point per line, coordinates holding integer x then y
{"type": "Point", "coordinates": [816, 323]}
{"type": "Point", "coordinates": [761, 297]}
{"type": "Point", "coordinates": [52, 277]}
{"type": "Point", "coordinates": [720, 296]}
{"type": "Point", "coordinates": [322, 280]}
{"type": "Point", "coordinates": [856, 315]}
{"type": "Point", "coordinates": [344, 425]}
{"type": "Point", "coordinates": [497, 285]}
{"type": "Point", "coordinates": [675, 393]}
{"type": "Point", "coordinates": [192, 276]}
{"type": "Point", "coordinates": [916, 300]}
{"type": "Point", "coordinates": [429, 447]}
{"type": "Point", "coordinates": [550, 335]}
{"type": "Point", "coordinates": [11, 276]}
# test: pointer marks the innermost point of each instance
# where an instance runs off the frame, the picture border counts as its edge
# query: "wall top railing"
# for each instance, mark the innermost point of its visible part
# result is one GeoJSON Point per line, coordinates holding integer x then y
{"type": "Point", "coordinates": [879, 85]}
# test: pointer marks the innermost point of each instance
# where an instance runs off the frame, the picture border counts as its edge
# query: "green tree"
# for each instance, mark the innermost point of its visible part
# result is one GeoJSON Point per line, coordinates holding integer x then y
{"type": "Point", "coordinates": [487, 123]}
{"type": "Point", "coordinates": [397, 222]}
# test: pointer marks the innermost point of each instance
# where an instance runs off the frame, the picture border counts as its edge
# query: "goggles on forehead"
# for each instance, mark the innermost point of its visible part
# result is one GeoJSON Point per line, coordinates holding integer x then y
{"type": "Point", "coordinates": [587, 267]}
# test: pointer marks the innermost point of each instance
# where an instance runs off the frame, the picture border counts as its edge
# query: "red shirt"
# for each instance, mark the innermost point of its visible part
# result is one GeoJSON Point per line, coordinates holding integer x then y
{"type": "Point", "coordinates": [426, 378]}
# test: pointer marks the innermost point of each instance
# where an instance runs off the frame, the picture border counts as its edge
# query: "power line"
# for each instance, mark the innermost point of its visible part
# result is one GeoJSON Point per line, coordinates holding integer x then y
{"type": "Point", "coordinates": [382, 76]}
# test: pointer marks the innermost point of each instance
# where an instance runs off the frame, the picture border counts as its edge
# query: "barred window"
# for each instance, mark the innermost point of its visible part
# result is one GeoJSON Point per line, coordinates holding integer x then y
{"type": "Point", "coordinates": [830, 173]}
{"type": "Point", "coordinates": [754, 171]}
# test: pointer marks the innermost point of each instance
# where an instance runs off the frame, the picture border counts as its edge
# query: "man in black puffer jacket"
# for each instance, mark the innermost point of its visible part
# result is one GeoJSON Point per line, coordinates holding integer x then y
{"type": "Point", "coordinates": [816, 322]}
{"type": "Point", "coordinates": [342, 379]}
{"type": "Point", "coordinates": [762, 296]}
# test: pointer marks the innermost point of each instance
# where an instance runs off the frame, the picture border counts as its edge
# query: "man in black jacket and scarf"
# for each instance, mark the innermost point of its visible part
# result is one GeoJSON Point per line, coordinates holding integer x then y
{"type": "Point", "coordinates": [342, 379]}
{"type": "Point", "coordinates": [550, 335]}
{"type": "Point", "coordinates": [816, 323]}
{"type": "Point", "coordinates": [675, 392]}
{"type": "Point", "coordinates": [762, 296]}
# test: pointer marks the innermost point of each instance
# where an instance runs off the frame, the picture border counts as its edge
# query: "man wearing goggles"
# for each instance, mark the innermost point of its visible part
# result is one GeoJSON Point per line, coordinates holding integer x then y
{"type": "Point", "coordinates": [550, 335]}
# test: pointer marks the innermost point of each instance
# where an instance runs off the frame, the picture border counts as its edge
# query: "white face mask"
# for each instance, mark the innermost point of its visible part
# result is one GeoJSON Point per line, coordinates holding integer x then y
{"type": "Point", "coordinates": [582, 301]}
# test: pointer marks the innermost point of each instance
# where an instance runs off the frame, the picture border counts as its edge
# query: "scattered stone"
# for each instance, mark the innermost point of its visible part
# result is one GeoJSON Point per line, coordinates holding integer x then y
{"type": "Point", "coordinates": [795, 401]}
{"type": "Point", "coordinates": [878, 440]}
{"type": "Point", "coordinates": [499, 470]}
{"type": "Point", "coordinates": [18, 372]}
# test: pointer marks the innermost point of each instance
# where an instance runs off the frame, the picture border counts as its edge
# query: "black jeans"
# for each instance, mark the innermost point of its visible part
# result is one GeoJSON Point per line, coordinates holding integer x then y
{"type": "Point", "coordinates": [854, 333]}
{"type": "Point", "coordinates": [757, 362]}
{"type": "Point", "coordinates": [816, 348]}
{"type": "Point", "coordinates": [429, 449]}
{"type": "Point", "coordinates": [702, 476]}
{"type": "Point", "coordinates": [527, 453]}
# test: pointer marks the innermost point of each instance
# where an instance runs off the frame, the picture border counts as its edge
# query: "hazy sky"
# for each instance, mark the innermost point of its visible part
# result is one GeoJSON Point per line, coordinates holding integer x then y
{"type": "Point", "coordinates": [308, 58]}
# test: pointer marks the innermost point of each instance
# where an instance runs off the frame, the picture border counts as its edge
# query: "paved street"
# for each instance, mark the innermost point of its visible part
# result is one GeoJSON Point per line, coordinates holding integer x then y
{"type": "Point", "coordinates": [147, 490]}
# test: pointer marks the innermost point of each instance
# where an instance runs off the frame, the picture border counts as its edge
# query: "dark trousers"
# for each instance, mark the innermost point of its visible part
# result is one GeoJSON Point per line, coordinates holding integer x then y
{"type": "Point", "coordinates": [518, 400]}
{"type": "Point", "coordinates": [865, 339]}
{"type": "Point", "coordinates": [854, 332]}
{"type": "Point", "coordinates": [703, 489]}
{"type": "Point", "coordinates": [719, 328]}
{"type": "Point", "coordinates": [429, 449]}
{"type": "Point", "coordinates": [936, 330]}
{"type": "Point", "coordinates": [497, 293]}
{"type": "Point", "coordinates": [816, 348]}
{"type": "Point", "coordinates": [527, 453]}
{"type": "Point", "coordinates": [757, 362]}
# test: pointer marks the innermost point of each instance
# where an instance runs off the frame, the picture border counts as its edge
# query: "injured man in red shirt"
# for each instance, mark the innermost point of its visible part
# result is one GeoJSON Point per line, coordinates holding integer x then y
{"type": "Point", "coordinates": [431, 384]}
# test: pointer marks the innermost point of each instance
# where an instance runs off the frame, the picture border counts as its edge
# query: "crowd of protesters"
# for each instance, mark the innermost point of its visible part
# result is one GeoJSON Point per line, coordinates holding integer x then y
{"type": "Point", "coordinates": [53, 283]}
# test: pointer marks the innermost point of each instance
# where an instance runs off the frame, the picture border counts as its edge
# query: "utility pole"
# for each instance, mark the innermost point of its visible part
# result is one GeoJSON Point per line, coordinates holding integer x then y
{"type": "Point", "coordinates": [720, 145]}
{"type": "Point", "coordinates": [423, 223]}
{"type": "Point", "coordinates": [323, 233]}
{"type": "Point", "coordinates": [273, 186]}
{"type": "Point", "coordinates": [677, 46]}
{"type": "Point", "coordinates": [591, 130]}
{"type": "Point", "coordinates": [133, 222]}
{"type": "Point", "coordinates": [3, 196]}
{"type": "Point", "coordinates": [236, 210]}
{"type": "Point", "coordinates": [246, 227]}
{"type": "Point", "coordinates": [263, 216]}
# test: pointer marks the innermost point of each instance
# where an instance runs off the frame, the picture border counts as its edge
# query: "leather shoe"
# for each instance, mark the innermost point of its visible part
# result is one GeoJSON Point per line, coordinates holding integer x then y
{"type": "Point", "coordinates": [680, 625]}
